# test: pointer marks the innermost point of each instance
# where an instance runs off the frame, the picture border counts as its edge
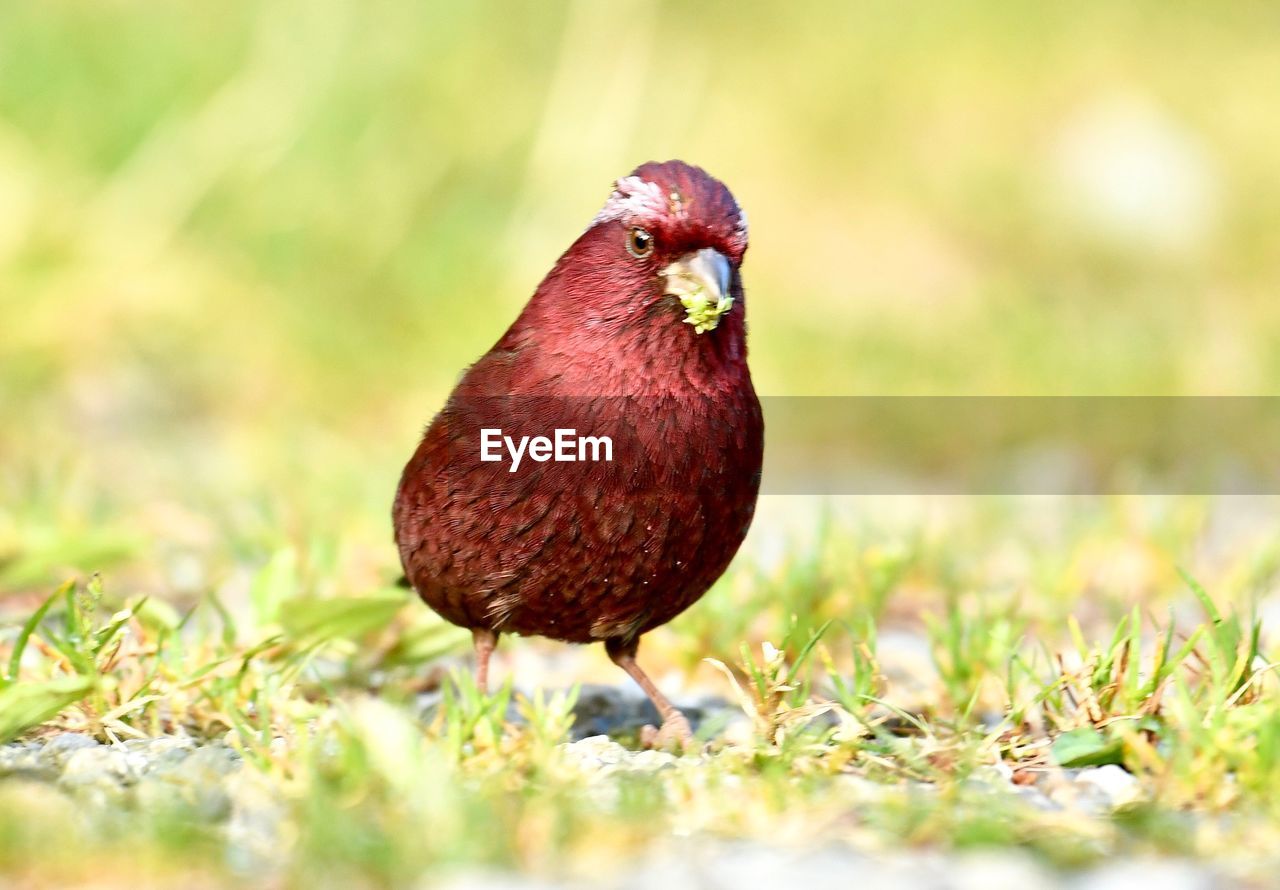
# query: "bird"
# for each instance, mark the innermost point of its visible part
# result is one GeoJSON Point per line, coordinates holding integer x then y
{"type": "Point", "coordinates": [637, 335]}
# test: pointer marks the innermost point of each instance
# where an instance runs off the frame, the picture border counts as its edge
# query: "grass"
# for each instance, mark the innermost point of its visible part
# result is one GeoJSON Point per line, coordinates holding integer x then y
{"type": "Point", "coordinates": [318, 695]}
{"type": "Point", "coordinates": [243, 256]}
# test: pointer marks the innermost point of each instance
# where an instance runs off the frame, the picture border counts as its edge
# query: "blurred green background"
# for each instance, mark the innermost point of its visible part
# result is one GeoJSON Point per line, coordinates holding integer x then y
{"type": "Point", "coordinates": [246, 248]}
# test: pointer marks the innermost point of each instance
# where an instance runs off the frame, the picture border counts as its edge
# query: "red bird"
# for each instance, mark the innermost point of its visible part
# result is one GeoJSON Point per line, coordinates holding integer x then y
{"type": "Point", "coordinates": [630, 361]}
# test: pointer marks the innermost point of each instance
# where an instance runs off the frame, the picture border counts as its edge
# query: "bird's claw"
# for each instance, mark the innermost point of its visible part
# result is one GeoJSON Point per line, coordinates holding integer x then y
{"type": "Point", "coordinates": [676, 733]}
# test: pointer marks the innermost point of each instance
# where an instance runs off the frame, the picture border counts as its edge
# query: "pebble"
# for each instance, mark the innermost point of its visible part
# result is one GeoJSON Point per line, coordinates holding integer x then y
{"type": "Point", "coordinates": [1118, 785]}
{"type": "Point", "coordinates": [27, 761]}
{"type": "Point", "coordinates": [64, 744]}
{"type": "Point", "coordinates": [207, 782]}
{"type": "Point", "coordinates": [602, 755]}
{"type": "Point", "coordinates": [100, 772]}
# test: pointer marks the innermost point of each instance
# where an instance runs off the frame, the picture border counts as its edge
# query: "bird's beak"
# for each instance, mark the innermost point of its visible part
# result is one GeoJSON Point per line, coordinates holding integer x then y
{"type": "Point", "coordinates": [700, 280]}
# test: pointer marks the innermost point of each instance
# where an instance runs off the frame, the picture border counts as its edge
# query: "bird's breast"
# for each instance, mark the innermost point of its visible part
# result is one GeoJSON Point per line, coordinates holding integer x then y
{"type": "Point", "coordinates": [584, 542]}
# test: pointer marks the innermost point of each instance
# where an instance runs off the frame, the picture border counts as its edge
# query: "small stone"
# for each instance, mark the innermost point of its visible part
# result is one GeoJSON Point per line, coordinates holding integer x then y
{"type": "Point", "coordinates": [652, 761]}
{"type": "Point", "coordinates": [64, 744]}
{"type": "Point", "coordinates": [212, 762]}
{"type": "Point", "coordinates": [594, 754]}
{"type": "Point", "coordinates": [26, 761]}
{"type": "Point", "coordinates": [1117, 785]}
{"type": "Point", "coordinates": [99, 776]}
{"type": "Point", "coordinates": [92, 765]}
{"type": "Point", "coordinates": [203, 803]}
{"type": "Point", "coordinates": [166, 753]}
{"type": "Point", "coordinates": [600, 754]}
{"type": "Point", "coordinates": [187, 779]}
{"type": "Point", "coordinates": [1064, 791]}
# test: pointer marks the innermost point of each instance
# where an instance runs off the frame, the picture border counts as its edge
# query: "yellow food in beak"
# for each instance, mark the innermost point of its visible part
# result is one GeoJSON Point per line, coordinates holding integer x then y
{"type": "Point", "coordinates": [700, 281]}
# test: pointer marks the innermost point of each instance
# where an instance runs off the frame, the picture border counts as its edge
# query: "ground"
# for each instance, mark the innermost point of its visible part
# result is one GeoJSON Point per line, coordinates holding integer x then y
{"type": "Point", "coordinates": [340, 740]}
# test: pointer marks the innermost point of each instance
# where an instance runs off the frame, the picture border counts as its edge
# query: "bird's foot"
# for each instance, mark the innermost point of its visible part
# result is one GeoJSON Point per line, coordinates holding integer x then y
{"type": "Point", "coordinates": [675, 734]}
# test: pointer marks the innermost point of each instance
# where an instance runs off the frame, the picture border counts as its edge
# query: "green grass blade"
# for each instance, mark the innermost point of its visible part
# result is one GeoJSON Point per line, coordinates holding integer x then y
{"type": "Point", "coordinates": [29, 627]}
{"type": "Point", "coordinates": [25, 705]}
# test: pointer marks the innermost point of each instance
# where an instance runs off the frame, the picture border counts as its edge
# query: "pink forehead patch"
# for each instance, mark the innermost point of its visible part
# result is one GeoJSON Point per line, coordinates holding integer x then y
{"type": "Point", "coordinates": [634, 198]}
{"type": "Point", "coordinates": [638, 200]}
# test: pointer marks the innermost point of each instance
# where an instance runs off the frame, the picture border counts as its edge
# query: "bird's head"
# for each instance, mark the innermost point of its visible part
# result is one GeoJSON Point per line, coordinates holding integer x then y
{"type": "Point", "coordinates": [677, 228]}
{"type": "Point", "coordinates": [665, 249]}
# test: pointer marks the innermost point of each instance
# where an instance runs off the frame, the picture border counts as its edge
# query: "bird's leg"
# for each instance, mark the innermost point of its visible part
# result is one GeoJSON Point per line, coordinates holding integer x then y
{"type": "Point", "coordinates": [484, 642]}
{"type": "Point", "coordinates": [675, 727]}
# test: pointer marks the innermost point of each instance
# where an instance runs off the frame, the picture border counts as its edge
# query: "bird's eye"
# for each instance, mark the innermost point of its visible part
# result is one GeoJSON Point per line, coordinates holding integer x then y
{"type": "Point", "coordinates": [639, 243]}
